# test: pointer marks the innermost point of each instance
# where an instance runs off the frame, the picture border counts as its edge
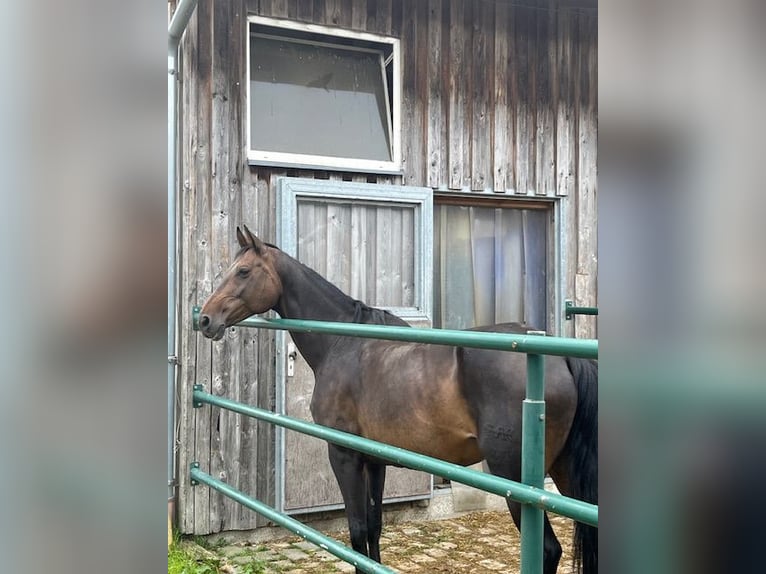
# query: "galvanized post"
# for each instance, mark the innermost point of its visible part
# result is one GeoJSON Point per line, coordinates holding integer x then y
{"type": "Point", "coordinates": [178, 23]}
{"type": "Point", "coordinates": [533, 462]}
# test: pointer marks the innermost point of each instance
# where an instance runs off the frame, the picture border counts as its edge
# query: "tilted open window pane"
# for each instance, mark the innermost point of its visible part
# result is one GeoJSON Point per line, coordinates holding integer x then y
{"type": "Point", "coordinates": [318, 100]}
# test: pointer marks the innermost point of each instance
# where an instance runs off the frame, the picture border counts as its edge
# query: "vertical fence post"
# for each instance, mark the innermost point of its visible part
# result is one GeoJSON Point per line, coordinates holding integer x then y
{"type": "Point", "coordinates": [533, 462]}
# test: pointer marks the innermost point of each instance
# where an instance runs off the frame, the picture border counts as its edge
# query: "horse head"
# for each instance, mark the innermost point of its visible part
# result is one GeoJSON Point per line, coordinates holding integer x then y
{"type": "Point", "coordinates": [251, 285]}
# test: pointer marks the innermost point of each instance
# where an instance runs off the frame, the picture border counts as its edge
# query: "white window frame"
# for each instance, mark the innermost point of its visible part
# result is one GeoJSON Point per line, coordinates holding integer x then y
{"type": "Point", "coordinates": [297, 160]}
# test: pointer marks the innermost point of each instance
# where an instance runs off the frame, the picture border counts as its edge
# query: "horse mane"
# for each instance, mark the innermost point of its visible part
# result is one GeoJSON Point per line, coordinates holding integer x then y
{"type": "Point", "coordinates": [363, 313]}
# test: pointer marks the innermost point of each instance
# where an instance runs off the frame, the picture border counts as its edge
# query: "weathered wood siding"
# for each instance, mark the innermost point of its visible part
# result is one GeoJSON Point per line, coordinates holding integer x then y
{"type": "Point", "coordinates": [498, 99]}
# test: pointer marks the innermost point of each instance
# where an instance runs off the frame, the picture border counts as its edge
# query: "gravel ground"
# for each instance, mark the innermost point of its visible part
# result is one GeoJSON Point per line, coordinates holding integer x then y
{"type": "Point", "coordinates": [480, 542]}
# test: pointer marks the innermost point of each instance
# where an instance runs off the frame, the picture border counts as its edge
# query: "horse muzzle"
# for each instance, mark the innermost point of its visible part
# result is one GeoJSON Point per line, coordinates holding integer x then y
{"type": "Point", "coordinates": [211, 329]}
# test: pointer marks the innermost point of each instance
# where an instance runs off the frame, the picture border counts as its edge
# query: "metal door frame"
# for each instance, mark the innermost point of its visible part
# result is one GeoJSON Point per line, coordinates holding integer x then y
{"type": "Point", "coordinates": [289, 191]}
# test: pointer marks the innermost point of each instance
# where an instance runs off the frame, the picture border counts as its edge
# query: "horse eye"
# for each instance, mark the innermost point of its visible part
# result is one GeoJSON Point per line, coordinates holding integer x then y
{"type": "Point", "coordinates": [243, 271]}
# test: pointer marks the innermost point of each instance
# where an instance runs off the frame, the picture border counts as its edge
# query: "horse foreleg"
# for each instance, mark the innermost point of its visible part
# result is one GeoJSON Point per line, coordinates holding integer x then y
{"type": "Point", "coordinates": [376, 479]}
{"type": "Point", "coordinates": [348, 467]}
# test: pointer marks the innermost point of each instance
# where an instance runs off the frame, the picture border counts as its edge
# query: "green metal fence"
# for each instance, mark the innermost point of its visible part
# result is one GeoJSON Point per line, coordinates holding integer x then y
{"type": "Point", "coordinates": [530, 492]}
{"type": "Point", "coordinates": [570, 310]}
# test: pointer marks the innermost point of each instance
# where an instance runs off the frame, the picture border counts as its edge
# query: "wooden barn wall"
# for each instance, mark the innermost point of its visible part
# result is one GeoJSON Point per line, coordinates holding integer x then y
{"type": "Point", "coordinates": [499, 100]}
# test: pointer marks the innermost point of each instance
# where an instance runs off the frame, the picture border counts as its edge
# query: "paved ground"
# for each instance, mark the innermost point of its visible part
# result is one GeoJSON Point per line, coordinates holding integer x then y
{"type": "Point", "coordinates": [480, 542]}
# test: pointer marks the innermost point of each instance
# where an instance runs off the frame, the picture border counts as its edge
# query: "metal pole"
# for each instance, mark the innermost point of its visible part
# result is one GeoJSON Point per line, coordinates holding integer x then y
{"type": "Point", "coordinates": [172, 360]}
{"type": "Point", "coordinates": [179, 21]}
{"type": "Point", "coordinates": [333, 546]}
{"type": "Point", "coordinates": [533, 462]}
{"type": "Point", "coordinates": [178, 24]}
{"type": "Point", "coordinates": [570, 310]}
{"type": "Point", "coordinates": [519, 342]}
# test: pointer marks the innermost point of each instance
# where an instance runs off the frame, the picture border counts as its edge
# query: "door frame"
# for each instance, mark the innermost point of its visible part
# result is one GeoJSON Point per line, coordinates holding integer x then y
{"type": "Point", "coordinates": [289, 191]}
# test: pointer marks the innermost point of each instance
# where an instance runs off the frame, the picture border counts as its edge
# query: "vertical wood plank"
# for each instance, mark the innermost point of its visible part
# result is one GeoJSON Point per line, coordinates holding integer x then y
{"type": "Point", "coordinates": [320, 13]}
{"type": "Point", "coordinates": [383, 259]}
{"type": "Point", "coordinates": [544, 149]}
{"type": "Point", "coordinates": [371, 224]}
{"type": "Point", "coordinates": [359, 14]}
{"type": "Point", "coordinates": [408, 255]}
{"type": "Point", "coordinates": [339, 254]}
{"type": "Point", "coordinates": [417, 26]}
{"type": "Point", "coordinates": [222, 511]}
{"type": "Point", "coordinates": [569, 204]}
{"type": "Point", "coordinates": [396, 254]}
{"type": "Point", "coordinates": [249, 393]}
{"type": "Point", "coordinates": [482, 93]}
{"type": "Point", "coordinates": [565, 110]}
{"type": "Point", "coordinates": [346, 13]}
{"type": "Point", "coordinates": [435, 136]}
{"type": "Point", "coordinates": [203, 235]}
{"type": "Point", "coordinates": [523, 106]}
{"type": "Point", "coordinates": [587, 204]}
{"type": "Point", "coordinates": [502, 118]}
{"type": "Point", "coordinates": [274, 8]}
{"type": "Point", "coordinates": [292, 9]}
{"type": "Point", "coordinates": [265, 474]}
{"type": "Point", "coordinates": [533, 62]}
{"type": "Point", "coordinates": [305, 10]}
{"type": "Point", "coordinates": [457, 99]}
{"type": "Point", "coordinates": [359, 265]}
{"type": "Point", "coordinates": [266, 185]}
{"type": "Point", "coordinates": [410, 132]}
{"type": "Point", "coordinates": [187, 295]}
{"type": "Point", "coordinates": [389, 17]}
{"type": "Point", "coordinates": [372, 16]}
{"type": "Point", "coordinates": [239, 431]}
{"type": "Point", "coordinates": [333, 12]}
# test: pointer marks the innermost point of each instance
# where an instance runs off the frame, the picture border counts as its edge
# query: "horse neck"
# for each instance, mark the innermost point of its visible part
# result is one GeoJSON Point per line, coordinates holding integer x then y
{"type": "Point", "coordinates": [307, 295]}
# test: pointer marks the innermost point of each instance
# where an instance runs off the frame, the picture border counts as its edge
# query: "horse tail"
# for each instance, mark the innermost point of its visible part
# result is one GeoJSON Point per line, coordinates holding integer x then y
{"type": "Point", "coordinates": [582, 450]}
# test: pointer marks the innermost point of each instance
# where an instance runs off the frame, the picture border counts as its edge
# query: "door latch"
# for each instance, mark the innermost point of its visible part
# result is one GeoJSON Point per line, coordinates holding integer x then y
{"type": "Point", "coordinates": [292, 354]}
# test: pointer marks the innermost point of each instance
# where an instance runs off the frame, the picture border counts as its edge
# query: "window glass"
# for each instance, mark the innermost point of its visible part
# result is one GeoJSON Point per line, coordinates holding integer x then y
{"type": "Point", "coordinates": [489, 266]}
{"type": "Point", "coordinates": [315, 99]}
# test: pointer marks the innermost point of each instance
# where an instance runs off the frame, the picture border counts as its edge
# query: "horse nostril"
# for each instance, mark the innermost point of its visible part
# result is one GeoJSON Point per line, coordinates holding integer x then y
{"type": "Point", "coordinates": [204, 321]}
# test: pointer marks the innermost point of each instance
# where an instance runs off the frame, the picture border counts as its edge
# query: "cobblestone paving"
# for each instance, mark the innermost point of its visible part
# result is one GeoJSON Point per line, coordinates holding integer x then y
{"type": "Point", "coordinates": [481, 542]}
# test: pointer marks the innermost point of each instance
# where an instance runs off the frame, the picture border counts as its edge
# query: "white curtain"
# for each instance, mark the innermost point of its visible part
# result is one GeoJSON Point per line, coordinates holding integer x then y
{"type": "Point", "coordinates": [490, 266]}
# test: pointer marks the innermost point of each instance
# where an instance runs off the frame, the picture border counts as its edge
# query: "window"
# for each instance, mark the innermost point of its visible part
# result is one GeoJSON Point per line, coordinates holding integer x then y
{"type": "Point", "coordinates": [491, 265]}
{"type": "Point", "coordinates": [322, 98]}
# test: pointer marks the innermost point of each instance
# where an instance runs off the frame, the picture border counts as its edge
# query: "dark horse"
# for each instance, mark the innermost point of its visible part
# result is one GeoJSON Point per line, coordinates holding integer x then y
{"type": "Point", "coordinates": [458, 404]}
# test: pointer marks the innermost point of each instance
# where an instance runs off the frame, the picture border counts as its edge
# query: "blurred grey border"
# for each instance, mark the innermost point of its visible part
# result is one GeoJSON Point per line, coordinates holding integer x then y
{"type": "Point", "coordinates": [682, 278]}
{"type": "Point", "coordinates": [83, 237]}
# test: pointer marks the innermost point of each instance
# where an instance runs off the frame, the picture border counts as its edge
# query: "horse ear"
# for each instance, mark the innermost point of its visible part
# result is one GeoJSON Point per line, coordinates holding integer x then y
{"type": "Point", "coordinates": [241, 239]}
{"type": "Point", "coordinates": [256, 243]}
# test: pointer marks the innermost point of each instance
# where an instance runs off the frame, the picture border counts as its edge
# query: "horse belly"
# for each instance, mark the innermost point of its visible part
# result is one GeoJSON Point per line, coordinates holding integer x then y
{"type": "Point", "coordinates": [456, 445]}
{"type": "Point", "coordinates": [411, 399]}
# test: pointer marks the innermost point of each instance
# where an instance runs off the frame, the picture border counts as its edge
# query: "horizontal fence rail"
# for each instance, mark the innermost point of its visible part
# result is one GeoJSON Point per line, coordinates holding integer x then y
{"type": "Point", "coordinates": [325, 542]}
{"type": "Point", "coordinates": [575, 509]}
{"type": "Point", "coordinates": [561, 346]}
{"type": "Point", "coordinates": [570, 310]}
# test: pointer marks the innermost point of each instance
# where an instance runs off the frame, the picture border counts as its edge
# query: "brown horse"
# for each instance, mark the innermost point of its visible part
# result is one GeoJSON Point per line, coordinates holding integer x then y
{"type": "Point", "coordinates": [458, 404]}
